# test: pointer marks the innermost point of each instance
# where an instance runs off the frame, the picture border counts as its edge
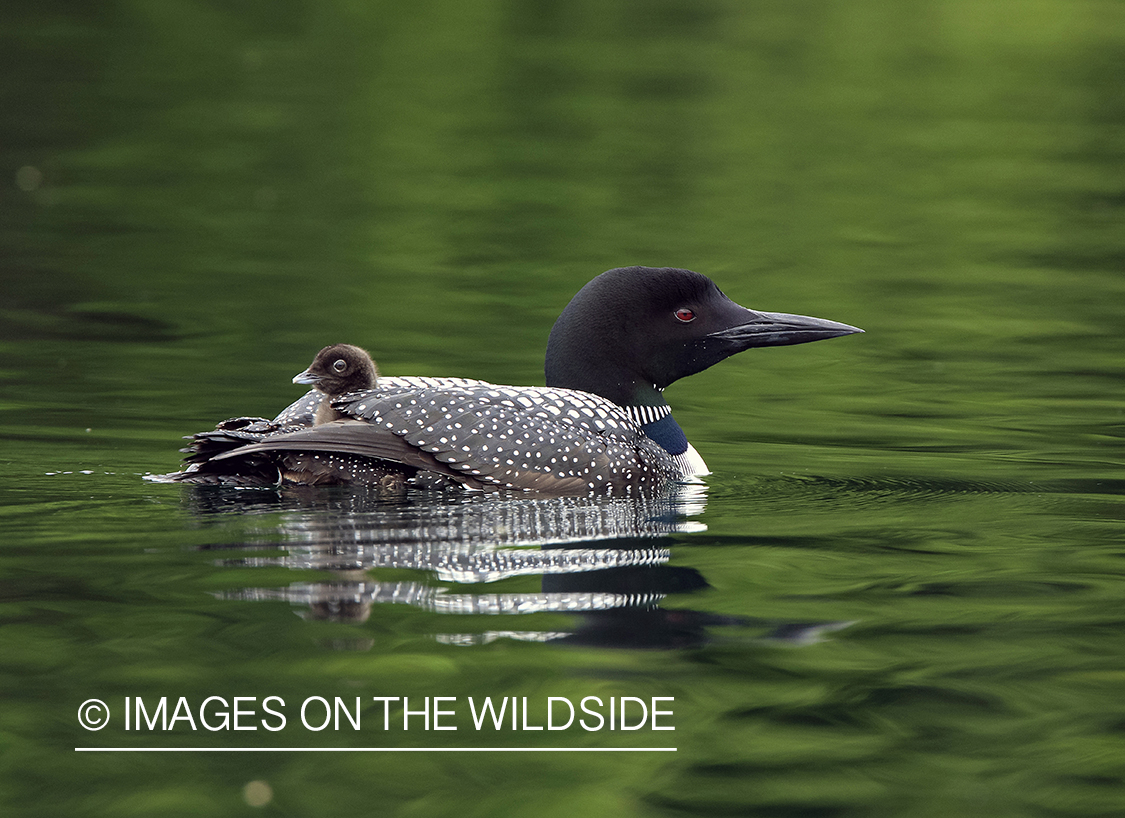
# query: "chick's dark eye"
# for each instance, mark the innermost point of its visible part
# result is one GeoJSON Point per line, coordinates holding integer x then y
{"type": "Point", "coordinates": [685, 315]}
{"type": "Point", "coordinates": [340, 365]}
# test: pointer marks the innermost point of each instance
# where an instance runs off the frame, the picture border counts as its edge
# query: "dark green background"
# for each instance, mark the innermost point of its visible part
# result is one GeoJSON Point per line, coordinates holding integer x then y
{"type": "Point", "coordinates": [196, 196]}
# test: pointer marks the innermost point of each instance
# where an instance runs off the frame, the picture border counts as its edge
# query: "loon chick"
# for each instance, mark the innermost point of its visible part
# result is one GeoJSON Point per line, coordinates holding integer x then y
{"type": "Point", "coordinates": [600, 424]}
{"type": "Point", "coordinates": [335, 371]}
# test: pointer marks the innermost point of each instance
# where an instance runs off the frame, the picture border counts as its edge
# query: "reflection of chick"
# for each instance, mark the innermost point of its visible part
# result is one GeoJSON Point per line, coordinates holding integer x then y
{"type": "Point", "coordinates": [341, 610]}
{"type": "Point", "coordinates": [335, 371]}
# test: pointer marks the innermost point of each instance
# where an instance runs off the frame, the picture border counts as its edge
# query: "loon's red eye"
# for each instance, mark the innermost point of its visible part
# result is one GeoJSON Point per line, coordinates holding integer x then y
{"type": "Point", "coordinates": [685, 315]}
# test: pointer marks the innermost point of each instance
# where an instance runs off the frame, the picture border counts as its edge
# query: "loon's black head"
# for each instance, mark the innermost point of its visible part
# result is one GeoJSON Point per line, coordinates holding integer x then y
{"type": "Point", "coordinates": [632, 331]}
{"type": "Point", "coordinates": [339, 369]}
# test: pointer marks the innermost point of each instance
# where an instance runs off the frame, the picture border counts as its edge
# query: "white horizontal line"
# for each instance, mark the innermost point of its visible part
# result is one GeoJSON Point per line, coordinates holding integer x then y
{"type": "Point", "coordinates": [375, 749]}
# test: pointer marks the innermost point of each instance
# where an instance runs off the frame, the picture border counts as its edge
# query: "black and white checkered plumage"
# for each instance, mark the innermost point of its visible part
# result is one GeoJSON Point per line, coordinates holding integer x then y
{"type": "Point", "coordinates": [481, 436]}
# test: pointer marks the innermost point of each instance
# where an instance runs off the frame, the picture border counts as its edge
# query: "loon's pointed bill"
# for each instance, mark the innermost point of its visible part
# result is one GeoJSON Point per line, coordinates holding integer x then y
{"type": "Point", "coordinates": [771, 329]}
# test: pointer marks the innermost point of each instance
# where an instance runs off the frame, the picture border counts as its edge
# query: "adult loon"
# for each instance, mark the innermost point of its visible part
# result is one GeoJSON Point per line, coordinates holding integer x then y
{"type": "Point", "coordinates": [600, 425]}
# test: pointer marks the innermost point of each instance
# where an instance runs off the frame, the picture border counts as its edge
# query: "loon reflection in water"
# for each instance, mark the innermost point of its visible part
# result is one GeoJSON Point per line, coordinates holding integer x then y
{"type": "Point", "coordinates": [605, 560]}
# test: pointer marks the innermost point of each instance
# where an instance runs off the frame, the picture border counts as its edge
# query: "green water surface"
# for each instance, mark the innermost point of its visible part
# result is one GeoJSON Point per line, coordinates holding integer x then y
{"type": "Point", "coordinates": [196, 196]}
